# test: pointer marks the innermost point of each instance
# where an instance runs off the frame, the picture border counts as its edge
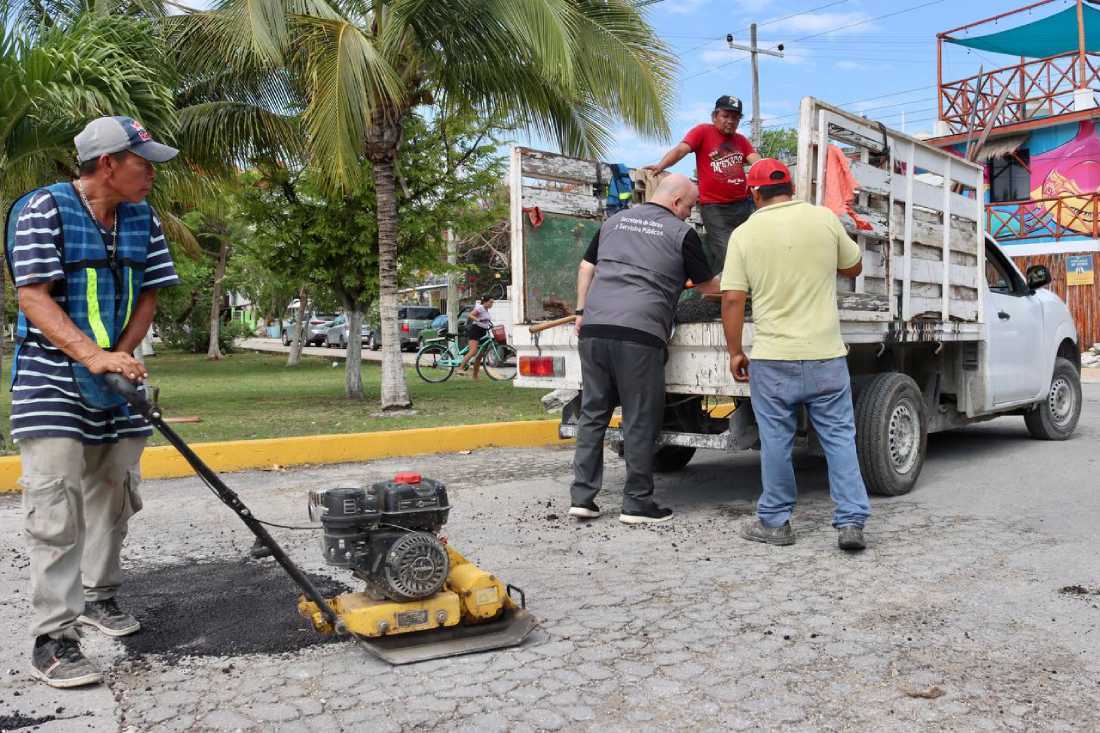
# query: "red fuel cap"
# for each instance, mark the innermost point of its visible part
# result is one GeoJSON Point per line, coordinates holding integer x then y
{"type": "Point", "coordinates": [407, 477]}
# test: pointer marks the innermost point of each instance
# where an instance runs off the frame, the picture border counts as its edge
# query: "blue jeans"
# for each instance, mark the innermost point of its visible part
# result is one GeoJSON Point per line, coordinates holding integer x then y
{"type": "Point", "coordinates": [823, 386]}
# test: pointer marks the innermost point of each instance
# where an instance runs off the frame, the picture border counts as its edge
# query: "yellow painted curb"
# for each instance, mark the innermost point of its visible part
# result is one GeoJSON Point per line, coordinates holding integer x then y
{"type": "Point", "coordinates": [238, 455]}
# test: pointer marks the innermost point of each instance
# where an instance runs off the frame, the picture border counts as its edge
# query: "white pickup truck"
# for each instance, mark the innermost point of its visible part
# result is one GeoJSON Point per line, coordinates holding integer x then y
{"type": "Point", "coordinates": [942, 329]}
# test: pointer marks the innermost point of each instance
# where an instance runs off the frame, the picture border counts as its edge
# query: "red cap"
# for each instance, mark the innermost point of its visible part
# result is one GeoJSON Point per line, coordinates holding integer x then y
{"type": "Point", "coordinates": [407, 477]}
{"type": "Point", "coordinates": [768, 172]}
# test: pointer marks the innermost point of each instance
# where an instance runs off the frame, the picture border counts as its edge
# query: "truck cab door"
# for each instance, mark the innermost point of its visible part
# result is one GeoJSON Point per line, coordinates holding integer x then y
{"type": "Point", "coordinates": [1014, 319]}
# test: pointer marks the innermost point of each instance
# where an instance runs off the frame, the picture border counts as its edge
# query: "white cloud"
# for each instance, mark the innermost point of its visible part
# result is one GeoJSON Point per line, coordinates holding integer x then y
{"type": "Point", "coordinates": [695, 113]}
{"type": "Point", "coordinates": [848, 66]}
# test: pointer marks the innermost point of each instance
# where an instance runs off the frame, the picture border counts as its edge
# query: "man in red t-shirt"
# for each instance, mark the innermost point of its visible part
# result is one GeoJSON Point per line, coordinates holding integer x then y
{"type": "Point", "coordinates": [722, 158]}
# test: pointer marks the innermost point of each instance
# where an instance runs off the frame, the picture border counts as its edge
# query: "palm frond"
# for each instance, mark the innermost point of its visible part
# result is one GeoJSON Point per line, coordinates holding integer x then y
{"type": "Point", "coordinates": [219, 136]}
{"type": "Point", "coordinates": [349, 80]}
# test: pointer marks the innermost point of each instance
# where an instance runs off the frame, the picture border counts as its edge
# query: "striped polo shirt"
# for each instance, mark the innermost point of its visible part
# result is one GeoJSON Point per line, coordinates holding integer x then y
{"type": "Point", "coordinates": [45, 401]}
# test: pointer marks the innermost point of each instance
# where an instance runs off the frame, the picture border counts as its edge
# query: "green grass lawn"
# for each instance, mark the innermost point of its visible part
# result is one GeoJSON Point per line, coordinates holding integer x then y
{"type": "Point", "coordinates": [250, 395]}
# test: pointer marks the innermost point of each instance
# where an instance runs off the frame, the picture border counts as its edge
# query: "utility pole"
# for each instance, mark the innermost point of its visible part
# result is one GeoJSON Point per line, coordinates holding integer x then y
{"type": "Point", "coordinates": [452, 286]}
{"type": "Point", "coordinates": [755, 52]}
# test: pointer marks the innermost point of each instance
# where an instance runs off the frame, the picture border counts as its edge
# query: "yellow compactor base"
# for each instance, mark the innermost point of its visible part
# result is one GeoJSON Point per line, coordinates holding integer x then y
{"type": "Point", "coordinates": [472, 613]}
{"type": "Point", "coordinates": [470, 595]}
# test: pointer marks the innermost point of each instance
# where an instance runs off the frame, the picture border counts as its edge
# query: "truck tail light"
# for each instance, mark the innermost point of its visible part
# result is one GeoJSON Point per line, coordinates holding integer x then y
{"type": "Point", "coordinates": [405, 327]}
{"type": "Point", "coordinates": [541, 366]}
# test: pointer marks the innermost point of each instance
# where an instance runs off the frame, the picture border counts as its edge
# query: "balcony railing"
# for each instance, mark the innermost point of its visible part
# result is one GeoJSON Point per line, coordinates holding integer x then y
{"type": "Point", "coordinates": [1038, 88]}
{"type": "Point", "coordinates": [1051, 218]}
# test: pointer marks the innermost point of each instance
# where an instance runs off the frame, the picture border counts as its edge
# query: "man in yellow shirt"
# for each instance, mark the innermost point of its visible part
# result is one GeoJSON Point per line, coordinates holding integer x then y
{"type": "Point", "coordinates": [788, 255]}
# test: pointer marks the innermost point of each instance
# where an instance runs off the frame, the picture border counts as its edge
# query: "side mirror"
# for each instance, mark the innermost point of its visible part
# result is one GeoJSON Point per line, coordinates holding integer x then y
{"type": "Point", "coordinates": [1038, 276]}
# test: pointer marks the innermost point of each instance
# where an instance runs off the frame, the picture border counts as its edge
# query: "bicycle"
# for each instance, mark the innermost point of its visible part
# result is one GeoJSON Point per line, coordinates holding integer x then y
{"type": "Point", "coordinates": [437, 360]}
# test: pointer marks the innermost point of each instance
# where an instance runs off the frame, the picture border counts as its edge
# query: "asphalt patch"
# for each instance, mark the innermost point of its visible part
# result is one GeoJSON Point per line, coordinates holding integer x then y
{"type": "Point", "coordinates": [226, 608]}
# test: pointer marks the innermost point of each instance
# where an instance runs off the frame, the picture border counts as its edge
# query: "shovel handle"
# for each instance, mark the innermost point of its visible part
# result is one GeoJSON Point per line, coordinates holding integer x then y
{"type": "Point", "coordinates": [550, 324]}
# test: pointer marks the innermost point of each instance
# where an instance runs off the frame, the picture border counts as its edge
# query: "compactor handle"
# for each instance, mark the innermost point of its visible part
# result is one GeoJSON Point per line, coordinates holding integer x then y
{"type": "Point", "coordinates": [128, 391]}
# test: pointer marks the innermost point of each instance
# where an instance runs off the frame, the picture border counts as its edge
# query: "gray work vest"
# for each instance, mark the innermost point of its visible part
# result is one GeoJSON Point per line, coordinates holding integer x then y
{"type": "Point", "coordinates": [639, 271]}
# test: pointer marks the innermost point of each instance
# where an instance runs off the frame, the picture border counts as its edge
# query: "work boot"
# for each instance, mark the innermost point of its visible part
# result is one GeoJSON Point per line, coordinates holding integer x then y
{"type": "Point", "coordinates": [651, 514]}
{"type": "Point", "coordinates": [584, 511]}
{"type": "Point", "coordinates": [757, 531]}
{"type": "Point", "coordinates": [850, 538]}
{"type": "Point", "coordinates": [60, 663]}
{"type": "Point", "coordinates": [109, 618]}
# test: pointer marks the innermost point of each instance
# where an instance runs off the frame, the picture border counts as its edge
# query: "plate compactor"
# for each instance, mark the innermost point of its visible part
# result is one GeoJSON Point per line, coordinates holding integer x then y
{"type": "Point", "coordinates": [423, 600]}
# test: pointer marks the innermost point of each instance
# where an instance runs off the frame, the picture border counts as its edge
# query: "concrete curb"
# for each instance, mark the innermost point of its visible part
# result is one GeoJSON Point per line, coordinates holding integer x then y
{"type": "Point", "coordinates": [240, 455]}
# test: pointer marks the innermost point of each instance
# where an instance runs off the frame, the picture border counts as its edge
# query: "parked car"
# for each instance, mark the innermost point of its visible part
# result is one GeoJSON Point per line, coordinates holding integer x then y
{"type": "Point", "coordinates": [336, 336]}
{"type": "Point", "coordinates": [411, 320]}
{"type": "Point", "coordinates": [316, 325]}
{"type": "Point", "coordinates": [439, 325]}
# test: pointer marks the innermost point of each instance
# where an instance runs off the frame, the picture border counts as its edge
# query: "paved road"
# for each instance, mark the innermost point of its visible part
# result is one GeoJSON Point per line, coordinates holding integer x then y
{"type": "Point", "coordinates": [977, 606]}
{"type": "Point", "coordinates": [275, 346]}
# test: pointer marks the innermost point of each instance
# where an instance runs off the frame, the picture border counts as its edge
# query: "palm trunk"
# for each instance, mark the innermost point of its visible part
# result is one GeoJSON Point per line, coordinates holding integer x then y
{"type": "Point", "coordinates": [353, 364]}
{"type": "Point", "coordinates": [395, 393]}
{"type": "Point", "coordinates": [299, 324]}
{"type": "Point", "coordinates": [213, 349]}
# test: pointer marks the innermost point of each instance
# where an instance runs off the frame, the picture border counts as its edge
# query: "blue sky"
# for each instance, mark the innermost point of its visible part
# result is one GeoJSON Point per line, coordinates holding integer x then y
{"type": "Point", "coordinates": [858, 56]}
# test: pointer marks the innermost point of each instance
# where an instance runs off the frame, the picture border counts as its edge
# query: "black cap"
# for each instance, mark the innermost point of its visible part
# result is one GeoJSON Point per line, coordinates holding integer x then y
{"type": "Point", "coordinates": [733, 104]}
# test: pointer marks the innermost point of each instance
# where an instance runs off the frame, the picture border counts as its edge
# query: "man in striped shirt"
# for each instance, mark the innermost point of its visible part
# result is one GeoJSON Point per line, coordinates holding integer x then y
{"type": "Point", "coordinates": [80, 462]}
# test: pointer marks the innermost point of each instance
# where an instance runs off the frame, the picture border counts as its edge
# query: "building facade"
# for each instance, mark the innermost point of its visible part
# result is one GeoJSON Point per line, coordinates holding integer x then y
{"type": "Point", "coordinates": [1035, 124]}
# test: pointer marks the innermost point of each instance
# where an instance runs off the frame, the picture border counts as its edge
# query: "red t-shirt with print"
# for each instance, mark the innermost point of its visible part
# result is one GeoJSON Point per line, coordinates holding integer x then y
{"type": "Point", "coordinates": [720, 162]}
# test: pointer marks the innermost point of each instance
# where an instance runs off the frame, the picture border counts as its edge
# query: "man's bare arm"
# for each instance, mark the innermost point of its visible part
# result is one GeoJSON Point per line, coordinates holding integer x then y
{"type": "Point", "coordinates": [672, 157]}
{"type": "Point", "coordinates": [852, 271]}
{"type": "Point", "coordinates": [733, 324]}
{"type": "Point", "coordinates": [752, 158]}
{"type": "Point", "coordinates": [585, 274]}
{"type": "Point", "coordinates": [48, 317]}
{"type": "Point", "coordinates": [710, 286]}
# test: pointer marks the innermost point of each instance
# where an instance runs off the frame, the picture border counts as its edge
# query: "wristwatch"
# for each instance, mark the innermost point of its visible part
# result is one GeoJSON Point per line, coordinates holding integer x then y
{"type": "Point", "coordinates": [579, 312]}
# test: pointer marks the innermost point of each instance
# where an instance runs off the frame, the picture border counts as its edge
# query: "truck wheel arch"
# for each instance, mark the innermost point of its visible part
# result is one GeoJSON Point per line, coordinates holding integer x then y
{"type": "Point", "coordinates": [1068, 350]}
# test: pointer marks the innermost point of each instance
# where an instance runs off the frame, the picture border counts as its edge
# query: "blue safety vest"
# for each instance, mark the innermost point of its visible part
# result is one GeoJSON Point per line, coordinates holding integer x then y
{"type": "Point", "coordinates": [100, 286]}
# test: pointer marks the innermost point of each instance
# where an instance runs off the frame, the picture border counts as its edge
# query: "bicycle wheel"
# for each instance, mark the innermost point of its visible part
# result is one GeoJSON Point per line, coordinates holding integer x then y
{"type": "Point", "coordinates": [497, 291]}
{"type": "Point", "coordinates": [434, 363]}
{"type": "Point", "coordinates": [500, 362]}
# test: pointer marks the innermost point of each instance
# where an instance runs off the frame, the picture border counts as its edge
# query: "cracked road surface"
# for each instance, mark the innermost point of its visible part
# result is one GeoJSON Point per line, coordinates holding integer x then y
{"type": "Point", "coordinates": [976, 606]}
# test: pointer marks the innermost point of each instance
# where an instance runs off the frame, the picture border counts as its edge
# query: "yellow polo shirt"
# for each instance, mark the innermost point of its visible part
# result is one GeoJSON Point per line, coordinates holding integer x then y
{"type": "Point", "coordinates": [787, 256]}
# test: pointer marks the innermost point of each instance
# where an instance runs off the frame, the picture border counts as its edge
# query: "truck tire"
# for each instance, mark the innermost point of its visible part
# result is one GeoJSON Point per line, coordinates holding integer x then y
{"type": "Point", "coordinates": [1055, 418]}
{"type": "Point", "coordinates": [671, 458]}
{"type": "Point", "coordinates": [891, 433]}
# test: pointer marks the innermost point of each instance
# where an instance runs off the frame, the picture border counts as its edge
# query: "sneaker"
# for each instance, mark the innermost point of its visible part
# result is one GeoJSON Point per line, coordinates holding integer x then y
{"type": "Point", "coordinates": [584, 511]}
{"type": "Point", "coordinates": [108, 618]}
{"type": "Point", "coordinates": [652, 514]}
{"type": "Point", "coordinates": [756, 531]}
{"type": "Point", "coordinates": [850, 538]}
{"type": "Point", "coordinates": [259, 550]}
{"type": "Point", "coordinates": [60, 663]}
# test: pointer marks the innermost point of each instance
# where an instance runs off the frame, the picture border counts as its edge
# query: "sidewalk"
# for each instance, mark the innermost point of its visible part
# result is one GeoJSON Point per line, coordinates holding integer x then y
{"type": "Point", "coordinates": [275, 346]}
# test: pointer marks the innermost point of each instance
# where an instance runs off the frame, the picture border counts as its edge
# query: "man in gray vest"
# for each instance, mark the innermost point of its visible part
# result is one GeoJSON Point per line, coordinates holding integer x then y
{"type": "Point", "coordinates": [627, 287]}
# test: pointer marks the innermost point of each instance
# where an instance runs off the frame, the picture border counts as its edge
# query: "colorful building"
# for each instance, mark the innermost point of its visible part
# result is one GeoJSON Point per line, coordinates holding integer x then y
{"type": "Point", "coordinates": [1035, 123]}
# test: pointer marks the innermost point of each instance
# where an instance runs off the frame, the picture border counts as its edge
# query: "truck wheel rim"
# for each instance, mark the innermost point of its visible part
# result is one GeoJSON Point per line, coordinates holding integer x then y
{"type": "Point", "coordinates": [1061, 401]}
{"type": "Point", "coordinates": [904, 438]}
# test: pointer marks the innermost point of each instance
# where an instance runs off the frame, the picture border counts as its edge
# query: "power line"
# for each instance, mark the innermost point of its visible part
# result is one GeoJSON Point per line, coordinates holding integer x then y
{"type": "Point", "coordinates": [822, 33]}
{"type": "Point", "coordinates": [759, 25]}
{"type": "Point", "coordinates": [772, 120]}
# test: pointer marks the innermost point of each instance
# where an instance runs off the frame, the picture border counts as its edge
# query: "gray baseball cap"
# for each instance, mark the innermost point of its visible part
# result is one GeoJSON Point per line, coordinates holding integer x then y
{"type": "Point", "coordinates": [106, 135]}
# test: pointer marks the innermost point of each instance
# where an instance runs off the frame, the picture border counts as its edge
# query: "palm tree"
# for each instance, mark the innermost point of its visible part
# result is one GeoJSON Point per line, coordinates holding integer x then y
{"type": "Point", "coordinates": [53, 82]}
{"type": "Point", "coordinates": [565, 69]}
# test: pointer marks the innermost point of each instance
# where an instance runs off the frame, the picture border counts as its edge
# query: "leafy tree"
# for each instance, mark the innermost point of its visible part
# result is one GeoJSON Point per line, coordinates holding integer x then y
{"type": "Point", "coordinates": [301, 226]}
{"type": "Point", "coordinates": [566, 68]}
{"type": "Point", "coordinates": [779, 143]}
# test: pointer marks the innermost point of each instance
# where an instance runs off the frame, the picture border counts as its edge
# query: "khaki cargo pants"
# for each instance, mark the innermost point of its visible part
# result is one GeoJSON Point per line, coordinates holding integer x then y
{"type": "Point", "coordinates": [77, 500]}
